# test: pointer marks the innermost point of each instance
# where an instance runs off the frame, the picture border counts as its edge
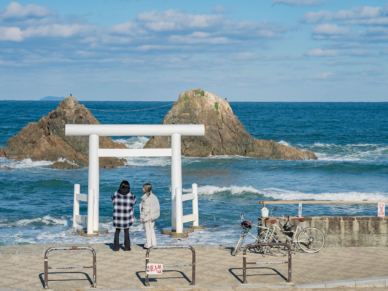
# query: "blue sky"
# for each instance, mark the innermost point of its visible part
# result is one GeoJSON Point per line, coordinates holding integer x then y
{"type": "Point", "coordinates": [144, 50]}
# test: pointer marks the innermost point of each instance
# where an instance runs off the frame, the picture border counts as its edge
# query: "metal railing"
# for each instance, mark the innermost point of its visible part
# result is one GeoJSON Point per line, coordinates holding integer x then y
{"type": "Point", "coordinates": [193, 262]}
{"type": "Point", "coordinates": [319, 202]}
{"type": "Point", "coordinates": [245, 263]}
{"type": "Point", "coordinates": [74, 248]}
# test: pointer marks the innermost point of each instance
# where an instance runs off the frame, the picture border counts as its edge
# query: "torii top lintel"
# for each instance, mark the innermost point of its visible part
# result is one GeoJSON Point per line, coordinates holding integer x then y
{"type": "Point", "coordinates": [135, 129]}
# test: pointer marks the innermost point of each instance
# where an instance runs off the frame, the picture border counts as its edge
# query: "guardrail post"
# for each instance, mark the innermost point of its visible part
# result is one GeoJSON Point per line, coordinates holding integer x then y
{"type": "Point", "coordinates": [289, 265]}
{"type": "Point", "coordinates": [195, 204]}
{"type": "Point", "coordinates": [266, 245]}
{"type": "Point", "coordinates": [300, 209]}
{"type": "Point", "coordinates": [73, 248]}
{"type": "Point", "coordinates": [179, 210]}
{"type": "Point", "coordinates": [91, 203]}
{"type": "Point", "coordinates": [193, 263]}
{"type": "Point", "coordinates": [76, 204]}
{"type": "Point", "coordinates": [147, 283]}
{"type": "Point", "coordinates": [245, 266]}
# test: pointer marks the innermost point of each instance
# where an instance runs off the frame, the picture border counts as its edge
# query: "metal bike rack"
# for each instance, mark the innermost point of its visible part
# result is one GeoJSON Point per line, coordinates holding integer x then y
{"type": "Point", "coordinates": [74, 248]}
{"type": "Point", "coordinates": [193, 262]}
{"type": "Point", "coordinates": [263, 263]}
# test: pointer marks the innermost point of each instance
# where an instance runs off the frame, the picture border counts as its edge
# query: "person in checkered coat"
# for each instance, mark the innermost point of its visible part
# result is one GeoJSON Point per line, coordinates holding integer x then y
{"type": "Point", "coordinates": [123, 201]}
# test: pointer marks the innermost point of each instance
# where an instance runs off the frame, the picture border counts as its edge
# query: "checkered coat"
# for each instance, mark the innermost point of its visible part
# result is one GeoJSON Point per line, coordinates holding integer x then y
{"type": "Point", "coordinates": [123, 215]}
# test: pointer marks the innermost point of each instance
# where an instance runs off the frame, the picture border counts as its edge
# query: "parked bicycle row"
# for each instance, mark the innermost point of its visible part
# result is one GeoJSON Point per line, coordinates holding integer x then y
{"type": "Point", "coordinates": [278, 229]}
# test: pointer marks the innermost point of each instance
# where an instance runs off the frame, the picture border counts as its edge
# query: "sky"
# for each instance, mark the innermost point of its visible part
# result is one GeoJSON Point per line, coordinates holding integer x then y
{"type": "Point", "coordinates": [152, 50]}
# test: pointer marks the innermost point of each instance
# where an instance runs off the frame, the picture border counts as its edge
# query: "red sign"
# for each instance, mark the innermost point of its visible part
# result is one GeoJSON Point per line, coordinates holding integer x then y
{"type": "Point", "coordinates": [155, 269]}
{"type": "Point", "coordinates": [381, 210]}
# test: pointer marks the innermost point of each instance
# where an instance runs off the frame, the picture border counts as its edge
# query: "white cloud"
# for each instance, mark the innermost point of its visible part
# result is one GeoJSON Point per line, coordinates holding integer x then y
{"type": "Point", "coordinates": [321, 76]}
{"type": "Point", "coordinates": [176, 20]}
{"type": "Point", "coordinates": [128, 28]}
{"type": "Point", "coordinates": [301, 2]}
{"type": "Point", "coordinates": [356, 15]}
{"type": "Point", "coordinates": [347, 62]}
{"type": "Point", "coordinates": [53, 30]}
{"type": "Point", "coordinates": [331, 29]}
{"type": "Point", "coordinates": [15, 10]}
{"type": "Point", "coordinates": [220, 9]}
{"type": "Point", "coordinates": [321, 53]}
{"type": "Point", "coordinates": [171, 38]}
{"type": "Point", "coordinates": [318, 52]}
{"type": "Point", "coordinates": [10, 33]}
{"type": "Point", "coordinates": [199, 37]}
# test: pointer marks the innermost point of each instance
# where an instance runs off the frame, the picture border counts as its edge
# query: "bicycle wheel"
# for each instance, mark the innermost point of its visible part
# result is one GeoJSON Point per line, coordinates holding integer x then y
{"type": "Point", "coordinates": [261, 239]}
{"type": "Point", "coordinates": [311, 240]}
{"type": "Point", "coordinates": [279, 250]}
{"type": "Point", "coordinates": [239, 245]}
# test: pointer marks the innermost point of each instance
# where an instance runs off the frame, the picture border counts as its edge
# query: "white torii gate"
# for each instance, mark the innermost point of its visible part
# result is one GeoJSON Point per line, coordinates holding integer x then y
{"type": "Point", "coordinates": [94, 131]}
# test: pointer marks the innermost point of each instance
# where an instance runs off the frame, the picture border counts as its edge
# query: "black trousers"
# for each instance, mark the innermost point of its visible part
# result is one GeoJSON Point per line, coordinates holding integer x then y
{"type": "Point", "coordinates": [127, 241]}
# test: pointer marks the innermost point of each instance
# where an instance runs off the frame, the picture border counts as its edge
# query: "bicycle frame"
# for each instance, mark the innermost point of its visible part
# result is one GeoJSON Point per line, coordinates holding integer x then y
{"type": "Point", "coordinates": [293, 239]}
{"type": "Point", "coordinates": [267, 230]}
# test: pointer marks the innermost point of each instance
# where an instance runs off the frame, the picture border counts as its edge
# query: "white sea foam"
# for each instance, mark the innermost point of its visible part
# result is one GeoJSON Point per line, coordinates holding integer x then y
{"type": "Point", "coordinates": [281, 194]}
{"type": "Point", "coordinates": [44, 221]}
{"type": "Point", "coordinates": [282, 142]}
{"type": "Point", "coordinates": [28, 163]}
{"type": "Point", "coordinates": [234, 190]}
{"type": "Point", "coordinates": [346, 153]}
{"type": "Point", "coordinates": [135, 142]}
{"type": "Point", "coordinates": [148, 162]}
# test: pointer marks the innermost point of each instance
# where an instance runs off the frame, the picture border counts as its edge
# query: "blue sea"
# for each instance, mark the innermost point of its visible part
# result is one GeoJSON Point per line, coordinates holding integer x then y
{"type": "Point", "coordinates": [349, 139]}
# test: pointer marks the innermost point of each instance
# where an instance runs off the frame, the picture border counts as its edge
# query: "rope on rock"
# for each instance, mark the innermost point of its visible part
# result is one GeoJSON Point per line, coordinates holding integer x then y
{"type": "Point", "coordinates": [130, 110]}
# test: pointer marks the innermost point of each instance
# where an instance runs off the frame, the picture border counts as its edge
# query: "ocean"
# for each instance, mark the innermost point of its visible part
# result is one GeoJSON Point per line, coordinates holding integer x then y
{"type": "Point", "coordinates": [349, 139]}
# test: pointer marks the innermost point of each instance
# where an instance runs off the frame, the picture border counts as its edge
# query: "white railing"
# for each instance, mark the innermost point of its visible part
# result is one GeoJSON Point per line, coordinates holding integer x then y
{"type": "Point", "coordinates": [380, 204]}
{"type": "Point", "coordinates": [77, 218]}
{"type": "Point", "coordinates": [180, 218]}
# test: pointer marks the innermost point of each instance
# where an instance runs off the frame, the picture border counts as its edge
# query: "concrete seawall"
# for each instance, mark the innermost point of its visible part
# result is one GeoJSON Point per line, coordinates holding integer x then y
{"type": "Point", "coordinates": [351, 231]}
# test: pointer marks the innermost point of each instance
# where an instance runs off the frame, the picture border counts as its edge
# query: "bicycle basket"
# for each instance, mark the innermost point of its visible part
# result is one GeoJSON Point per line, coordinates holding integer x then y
{"type": "Point", "coordinates": [246, 224]}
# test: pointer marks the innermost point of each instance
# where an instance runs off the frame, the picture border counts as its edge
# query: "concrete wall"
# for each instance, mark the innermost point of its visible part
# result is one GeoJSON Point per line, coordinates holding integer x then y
{"type": "Point", "coordinates": [351, 231]}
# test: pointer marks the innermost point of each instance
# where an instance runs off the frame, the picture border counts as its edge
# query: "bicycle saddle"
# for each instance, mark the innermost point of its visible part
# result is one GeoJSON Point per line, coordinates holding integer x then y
{"type": "Point", "coordinates": [271, 221]}
{"type": "Point", "coordinates": [300, 219]}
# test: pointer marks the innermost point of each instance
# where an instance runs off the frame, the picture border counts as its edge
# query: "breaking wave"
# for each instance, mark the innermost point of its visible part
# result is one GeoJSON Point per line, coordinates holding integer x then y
{"type": "Point", "coordinates": [281, 194]}
{"type": "Point", "coordinates": [346, 153]}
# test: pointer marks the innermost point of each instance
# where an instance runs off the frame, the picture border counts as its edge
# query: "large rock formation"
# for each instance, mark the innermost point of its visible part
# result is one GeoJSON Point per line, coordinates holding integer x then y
{"type": "Point", "coordinates": [2, 152]}
{"type": "Point", "coordinates": [225, 134]}
{"type": "Point", "coordinates": [46, 139]}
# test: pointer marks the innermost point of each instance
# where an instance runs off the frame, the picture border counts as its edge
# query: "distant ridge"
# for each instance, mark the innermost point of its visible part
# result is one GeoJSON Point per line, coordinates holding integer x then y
{"type": "Point", "coordinates": [52, 98]}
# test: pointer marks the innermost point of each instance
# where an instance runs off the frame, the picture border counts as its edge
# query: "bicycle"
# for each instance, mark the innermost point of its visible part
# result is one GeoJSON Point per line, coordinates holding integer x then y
{"type": "Point", "coordinates": [264, 236]}
{"type": "Point", "coordinates": [309, 239]}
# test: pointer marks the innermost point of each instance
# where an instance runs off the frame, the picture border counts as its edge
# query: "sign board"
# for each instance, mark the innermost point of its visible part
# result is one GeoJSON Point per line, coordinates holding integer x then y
{"type": "Point", "coordinates": [381, 210]}
{"type": "Point", "coordinates": [154, 269]}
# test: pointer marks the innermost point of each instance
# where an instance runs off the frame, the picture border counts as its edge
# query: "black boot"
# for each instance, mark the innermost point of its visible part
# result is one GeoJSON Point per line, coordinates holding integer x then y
{"type": "Point", "coordinates": [116, 240]}
{"type": "Point", "coordinates": [127, 241]}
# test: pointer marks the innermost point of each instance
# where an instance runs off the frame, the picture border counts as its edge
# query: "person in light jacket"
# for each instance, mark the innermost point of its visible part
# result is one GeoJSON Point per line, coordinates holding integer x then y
{"type": "Point", "coordinates": [123, 201]}
{"type": "Point", "coordinates": [149, 212]}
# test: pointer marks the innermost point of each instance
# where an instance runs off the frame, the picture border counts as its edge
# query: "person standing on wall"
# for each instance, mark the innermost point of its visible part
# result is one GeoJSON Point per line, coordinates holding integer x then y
{"type": "Point", "coordinates": [149, 212]}
{"type": "Point", "coordinates": [123, 201]}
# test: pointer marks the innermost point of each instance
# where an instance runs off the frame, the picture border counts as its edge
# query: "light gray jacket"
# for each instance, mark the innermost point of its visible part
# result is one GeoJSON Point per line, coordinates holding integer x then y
{"type": "Point", "coordinates": [149, 207]}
